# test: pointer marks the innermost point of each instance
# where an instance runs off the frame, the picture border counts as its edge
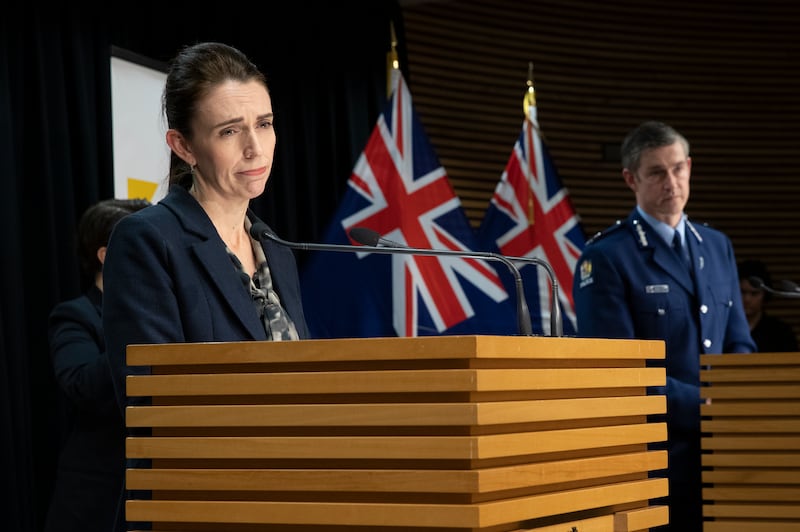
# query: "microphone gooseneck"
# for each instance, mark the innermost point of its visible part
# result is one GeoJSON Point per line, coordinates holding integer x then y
{"type": "Point", "coordinates": [792, 291]}
{"type": "Point", "coordinates": [261, 231]}
{"type": "Point", "coordinates": [375, 244]}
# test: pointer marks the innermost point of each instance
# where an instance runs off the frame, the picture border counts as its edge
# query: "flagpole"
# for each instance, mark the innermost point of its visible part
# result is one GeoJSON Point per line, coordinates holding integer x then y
{"type": "Point", "coordinates": [529, 107]}
{"type": "Point", "coordinates": [529, 100]}
{"type": "Point", "coordinates": [392, 61]}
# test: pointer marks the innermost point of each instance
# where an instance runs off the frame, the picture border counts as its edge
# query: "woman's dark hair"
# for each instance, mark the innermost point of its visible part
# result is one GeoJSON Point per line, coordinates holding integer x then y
{"type": "Point", "coordinates": [94, 230]}
{"type": "Point", "coordinates": [193, 73]}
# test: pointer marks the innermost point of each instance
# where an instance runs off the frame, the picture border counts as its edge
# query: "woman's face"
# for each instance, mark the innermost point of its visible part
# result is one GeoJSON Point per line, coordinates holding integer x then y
{"type": "Point", "coordinates": [233, 140]}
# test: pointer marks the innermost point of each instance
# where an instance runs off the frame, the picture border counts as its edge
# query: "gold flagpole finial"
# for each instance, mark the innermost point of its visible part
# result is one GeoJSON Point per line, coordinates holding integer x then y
{"type": "Point", "coordinates": [530, 95]}
{"type": "Point", "coordinates": [392, 61]}
{"type": "Point", "coordinates": [527, 102]}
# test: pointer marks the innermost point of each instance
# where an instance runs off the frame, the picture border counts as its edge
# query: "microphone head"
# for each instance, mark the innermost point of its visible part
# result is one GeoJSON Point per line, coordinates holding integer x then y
{"type": "Point", "coordinates": [365, 236]}
{"type": "Point", "coordinates": [260, 230]}
{"type": "Point", "coordinates": [788, 286]}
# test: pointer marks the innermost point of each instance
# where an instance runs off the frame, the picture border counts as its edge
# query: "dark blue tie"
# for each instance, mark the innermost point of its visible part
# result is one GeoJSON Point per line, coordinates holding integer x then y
{"type": "Point", "coordinates": [682, 251]}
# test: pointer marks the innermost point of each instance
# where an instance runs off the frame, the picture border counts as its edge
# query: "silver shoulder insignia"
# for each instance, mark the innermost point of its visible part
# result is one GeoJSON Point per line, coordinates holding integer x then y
{"type": "Point", "coordinates": [642, 236]}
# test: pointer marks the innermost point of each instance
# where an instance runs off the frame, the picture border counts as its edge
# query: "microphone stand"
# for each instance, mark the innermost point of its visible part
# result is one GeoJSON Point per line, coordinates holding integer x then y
{"type": "Point", "coordinates": [556, 321]}
{"type": "Point", "coordinates": [261, 231]}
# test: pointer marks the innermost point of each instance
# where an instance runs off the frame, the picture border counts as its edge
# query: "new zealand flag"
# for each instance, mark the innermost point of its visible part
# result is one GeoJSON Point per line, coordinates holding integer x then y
{"type": "Point", "coordinates": [399, 190]}
{"type": "Point", "coordinates": [531, 215]}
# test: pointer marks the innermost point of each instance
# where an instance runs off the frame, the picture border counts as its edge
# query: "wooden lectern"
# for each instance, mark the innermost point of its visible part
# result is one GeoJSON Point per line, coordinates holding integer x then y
{"type": "Point", "coordinates": [751, 442]}
{"type": "Point", "coordinates": [447, 433]}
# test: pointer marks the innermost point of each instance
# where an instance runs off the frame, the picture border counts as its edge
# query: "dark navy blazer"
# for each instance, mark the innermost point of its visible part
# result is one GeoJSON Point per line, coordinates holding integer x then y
{"type": "Point", "coordinates": [89, 476]}
{"type": "Point", "coordinates": [168, 279]}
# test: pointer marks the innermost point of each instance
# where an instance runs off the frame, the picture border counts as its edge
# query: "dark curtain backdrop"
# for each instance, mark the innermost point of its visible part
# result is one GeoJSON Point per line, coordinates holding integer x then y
{"type": "Point", "coordinates": [326, 65]}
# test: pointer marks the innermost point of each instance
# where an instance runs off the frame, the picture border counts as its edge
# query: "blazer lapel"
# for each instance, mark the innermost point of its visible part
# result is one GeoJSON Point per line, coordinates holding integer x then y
{"type": "Point", "coordinates": [210, 251]}
{"type": "Point", "coordinates": [229, 284]}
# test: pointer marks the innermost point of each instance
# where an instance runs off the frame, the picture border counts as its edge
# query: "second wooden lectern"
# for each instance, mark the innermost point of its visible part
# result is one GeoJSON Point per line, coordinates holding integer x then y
{"type": "Point", "coordinates": [453, 433]}
{"type": "Point", "coordinates": [751, 442]}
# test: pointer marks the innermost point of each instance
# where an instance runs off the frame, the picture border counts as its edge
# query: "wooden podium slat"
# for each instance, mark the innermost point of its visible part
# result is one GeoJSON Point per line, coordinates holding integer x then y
{"type": "Point", "coordinates": [754, 426]}
{"type": "Point", "coordinates": [594, 524]}
{"type": "Point", "coordinates": [571, 350]}
{"type": "Point", "coordinates": [754, 373]}
{"type": "Point", "coordinates": [751, 408]}
{"type": "Point", "coordinates": [751, 442]}
{"type": "Point", "coordinates": [473, 516]}
{"type": "Point", "coordinates": [398, 480]}
{"type": "Point", "coordinates": [460, 434]}
{"type": "Point", "coordinates": [752, 459]}
{"type": "Point", "coordinates": [774, 511]}
{"type": "Point", "coordinates": [391, 381]}
{"type": "Point", "coordinates": [758, 525]}
{"type": "Point", "coordinates": [752, 476]}
{"type": "Point", "coordinates": [401, 414]}
{"type": "Point", "coordinates": [747, 361]}
{"type": "Point", "coordinates": [396, 447]}
{"type": "Point", "coordinates": [753, 391]}
{"type": "Point", "coordinates": [640, 519]}
{"type": "Point", "coordinates": [749, 494]}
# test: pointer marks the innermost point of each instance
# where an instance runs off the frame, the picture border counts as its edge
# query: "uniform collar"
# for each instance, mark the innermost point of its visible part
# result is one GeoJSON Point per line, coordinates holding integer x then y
{"type": "Point", "coordinates": [665, 231]}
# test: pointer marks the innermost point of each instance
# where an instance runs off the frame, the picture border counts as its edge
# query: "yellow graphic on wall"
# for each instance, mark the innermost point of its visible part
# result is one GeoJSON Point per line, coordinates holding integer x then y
{"type": "Point", "coordinates": [138, 188]}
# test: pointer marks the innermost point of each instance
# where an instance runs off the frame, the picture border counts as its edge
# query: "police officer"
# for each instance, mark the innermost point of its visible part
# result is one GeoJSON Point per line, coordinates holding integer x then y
{"type": "Point", "coordinates": [656, 275]}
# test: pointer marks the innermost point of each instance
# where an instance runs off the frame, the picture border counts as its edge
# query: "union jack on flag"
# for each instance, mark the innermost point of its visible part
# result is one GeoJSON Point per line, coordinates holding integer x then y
{"type": "Point", "coordinates": [531, 215]}
{"type": "Point", "coordinates": [399, 190]}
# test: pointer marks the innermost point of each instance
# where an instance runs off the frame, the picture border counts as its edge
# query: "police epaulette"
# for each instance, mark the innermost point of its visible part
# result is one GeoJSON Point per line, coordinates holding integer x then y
{"type": "Point", "coordinates": [607, 231]}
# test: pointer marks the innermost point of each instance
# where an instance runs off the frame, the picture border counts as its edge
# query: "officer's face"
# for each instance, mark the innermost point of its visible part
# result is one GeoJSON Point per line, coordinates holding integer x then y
{"type": "Point", "coordinates": [661, 183]}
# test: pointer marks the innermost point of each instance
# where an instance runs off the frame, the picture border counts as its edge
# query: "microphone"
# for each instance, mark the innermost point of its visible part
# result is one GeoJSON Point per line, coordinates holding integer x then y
{"type": "Point", "coordinates": [789, 286]}
{"type": "Point", "coordinates": [372, 243]}
{"type": "Point", "coordinates": [368, 237]}
{"type": "Point", "coordinates": [373, 238]}
{"type": "Point", "coordinates": [791, 291]}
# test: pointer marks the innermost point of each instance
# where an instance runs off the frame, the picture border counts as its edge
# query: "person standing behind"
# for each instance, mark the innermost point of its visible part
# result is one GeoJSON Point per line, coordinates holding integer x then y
{"type": "Point", "coordinates": [88, 479]}
{"type": "Point", "coordinates": [771, 334]}
{"type": "Point", "coordinates": [631, 281]}
{"type": "Point", "coordinates": [187, 269]}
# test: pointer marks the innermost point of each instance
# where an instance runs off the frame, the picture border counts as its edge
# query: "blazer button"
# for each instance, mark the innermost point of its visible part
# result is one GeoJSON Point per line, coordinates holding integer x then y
{"type": "Point", "coordinates": [706, 343]}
